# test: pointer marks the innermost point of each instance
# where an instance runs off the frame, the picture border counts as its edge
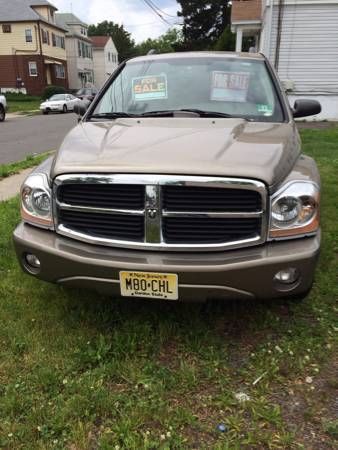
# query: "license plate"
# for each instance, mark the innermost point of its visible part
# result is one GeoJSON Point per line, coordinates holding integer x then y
{"type": "Point", "coordinates": [149, 285]}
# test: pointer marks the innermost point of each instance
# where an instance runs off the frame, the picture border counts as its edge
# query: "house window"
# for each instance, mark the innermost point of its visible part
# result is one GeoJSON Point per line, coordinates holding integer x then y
{"type": "Point", "coordinates": [83, 50]}
{"type": "Point", "coordinates": [108, 56]}
{"type": "Point", "coordinates": [33, 69]}
{"type": "Point", "coordinates": [79, 47]}
{"type": "Point", "coordinates": [28, 34]}
{"type": "Point", "coordinates": [54, 40]}
{"type": "Point", "coordinates": [60, 71]}
{"type": "Point", "coordinates": [6, 28]}
{"type": "Point", "coordinates": [44, 36]}
{"type": "Point", "coordinates": [48, 39]}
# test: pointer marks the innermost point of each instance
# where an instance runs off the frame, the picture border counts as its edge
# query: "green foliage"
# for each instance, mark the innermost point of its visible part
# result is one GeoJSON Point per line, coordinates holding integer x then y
{"type": "Point", "coordinates": [204, 22]}
{"type": "Point", "coordinates": [122, 39]}
{"type": "Point", "coordinates": [19, 97]}
{"type": "Point", "coordinates": [227, 41]}
{"type": "Point", "coordinates": [167, 43]}
{"type": "Point", "coordinates": [52, 90]}
{"type": "Point", "coordinates": [7, 170]}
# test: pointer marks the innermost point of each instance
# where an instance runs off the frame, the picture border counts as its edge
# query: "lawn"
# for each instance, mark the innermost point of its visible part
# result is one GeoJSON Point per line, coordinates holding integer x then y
{"type": "Point", "coordinates": [81, 371]}
{"type": "Point", "coordinates": [22, 103]}
{"type": "Point", "coordinates": [7, 170]}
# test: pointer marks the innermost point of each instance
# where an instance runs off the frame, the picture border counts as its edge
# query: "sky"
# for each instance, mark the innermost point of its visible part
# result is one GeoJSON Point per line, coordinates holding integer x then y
{"type": "Point", "coordinates": [135, 15]}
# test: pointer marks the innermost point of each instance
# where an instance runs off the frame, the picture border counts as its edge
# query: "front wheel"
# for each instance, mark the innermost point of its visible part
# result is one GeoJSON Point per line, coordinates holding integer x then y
{"type": "Point", "coordinates": [64, 109]}
{"type": "Point", "coordinates": [2, 113]}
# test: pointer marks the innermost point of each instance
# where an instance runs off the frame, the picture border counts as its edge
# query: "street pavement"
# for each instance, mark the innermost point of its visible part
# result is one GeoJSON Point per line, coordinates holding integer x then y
{"type": "Point", "coordinates": [23, 136]}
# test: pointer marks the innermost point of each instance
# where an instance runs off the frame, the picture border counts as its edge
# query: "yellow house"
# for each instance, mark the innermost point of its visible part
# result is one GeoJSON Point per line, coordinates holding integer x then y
{"type": "Point", "coordinates": [32, 47]}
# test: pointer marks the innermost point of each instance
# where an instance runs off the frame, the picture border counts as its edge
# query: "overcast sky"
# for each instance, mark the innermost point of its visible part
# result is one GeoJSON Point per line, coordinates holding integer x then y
{"type": "Point", "coordinates": [135, 15]}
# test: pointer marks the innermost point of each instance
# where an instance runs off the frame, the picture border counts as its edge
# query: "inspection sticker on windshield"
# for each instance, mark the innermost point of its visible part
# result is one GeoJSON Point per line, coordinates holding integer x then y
{"type": "Point", "coordinates": [267, 110]}
{"type": "Point", "coordinates": [230, 86]}
{"type": "Point", "coordinates": [153, 87]}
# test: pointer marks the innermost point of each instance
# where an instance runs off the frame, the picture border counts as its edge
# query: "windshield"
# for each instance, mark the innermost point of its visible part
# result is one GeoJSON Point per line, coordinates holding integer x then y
{"type": "Point", "coordinates": [238, 87]}
{"type": "Point", "coordinates": [57, 97]}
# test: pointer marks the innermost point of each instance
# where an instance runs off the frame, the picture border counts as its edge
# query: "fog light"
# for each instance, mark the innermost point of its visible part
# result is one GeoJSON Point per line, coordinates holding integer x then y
{"type": "Point", "coordinates": [287, 276]}
{"type": "Point", "coordinates": [33, 261]}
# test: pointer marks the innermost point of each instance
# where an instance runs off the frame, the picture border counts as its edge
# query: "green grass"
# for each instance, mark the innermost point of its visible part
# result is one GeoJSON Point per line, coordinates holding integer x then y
{"type": "Point", "coordinates": [22, 103]}
{"type": "Point", "coordinates": [24, 107]}
{"type": "Point", "coordinates": [81, 371]}
{"type": "Point", "coordinates": [7, 170]}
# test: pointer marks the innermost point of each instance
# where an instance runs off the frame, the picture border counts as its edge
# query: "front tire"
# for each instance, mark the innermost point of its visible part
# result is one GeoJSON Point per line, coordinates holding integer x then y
{"type": "Point", "coordinates": [2, 114]}
{"type": "Point", "coordinates": [64, 109]}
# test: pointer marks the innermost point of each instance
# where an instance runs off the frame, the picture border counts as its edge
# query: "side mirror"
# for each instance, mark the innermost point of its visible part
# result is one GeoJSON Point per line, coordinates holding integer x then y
{"type": "Point", "coordinates": [305, 108]}
{"type": "Point", "coordinates": [80, 108]}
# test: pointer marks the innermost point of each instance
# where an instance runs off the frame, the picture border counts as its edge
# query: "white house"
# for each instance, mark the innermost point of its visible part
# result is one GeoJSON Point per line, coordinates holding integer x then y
{"type": "Point", "coordinates": [300, 38]}
{"type": "Point", "coordinates": [105, 58]}
{"type": "Point", "coordinates": [79, 51]}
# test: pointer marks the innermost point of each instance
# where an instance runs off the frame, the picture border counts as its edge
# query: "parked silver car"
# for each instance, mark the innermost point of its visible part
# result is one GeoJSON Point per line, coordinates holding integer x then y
{"type": "Point", "coordinates": [3, 108]}
{"type": "Point", "coordinates": [59, 103]}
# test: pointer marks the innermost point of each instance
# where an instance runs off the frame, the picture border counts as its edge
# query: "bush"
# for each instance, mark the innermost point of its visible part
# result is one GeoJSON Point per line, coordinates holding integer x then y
{"type": "Point", "coordinates": [52, 90]}
{"type": "Point", "coordinates": [20, 97]}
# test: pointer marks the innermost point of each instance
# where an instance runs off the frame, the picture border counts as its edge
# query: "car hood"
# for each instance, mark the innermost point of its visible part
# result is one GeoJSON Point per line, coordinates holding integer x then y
{"type": "Point", "coordinates": [185, 146]}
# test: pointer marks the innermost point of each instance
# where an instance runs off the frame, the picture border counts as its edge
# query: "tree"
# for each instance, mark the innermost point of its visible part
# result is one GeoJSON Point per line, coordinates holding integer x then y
{"type": "Point", "coordinates": [166, 43]}
{"type": "Point", "coordinates": [204, 22]}
{"type": "Point", "coordinates": [227, 41]}
{"type": "Point", "coordinates": [122, 39]}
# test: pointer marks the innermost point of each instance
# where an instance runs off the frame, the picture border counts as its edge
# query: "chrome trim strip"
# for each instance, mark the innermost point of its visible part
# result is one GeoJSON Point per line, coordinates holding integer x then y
{"type": "Point", "coordinates": [67, 232]}
{"type": "Point", "coordinates": [125, 212]}
{"type": "Point", "coordinates": [153, 230]}
{"type": "Point", "coordinates": [180, 286]}
{"type": "Point", "coordinates": [153, 217]}
{"type": "Point", "coordinates": [213, 215]}
{"type": "Point", "coordinates": [178, 180]}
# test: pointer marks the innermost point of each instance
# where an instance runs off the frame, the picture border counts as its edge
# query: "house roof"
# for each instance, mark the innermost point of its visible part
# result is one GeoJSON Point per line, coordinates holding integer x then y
{"type": "Point", "coordinates": [100, 41]}
{"type": "Point", "coordinates": [66, 19]}
{"type": "Point", "coordinates": [21, 10]}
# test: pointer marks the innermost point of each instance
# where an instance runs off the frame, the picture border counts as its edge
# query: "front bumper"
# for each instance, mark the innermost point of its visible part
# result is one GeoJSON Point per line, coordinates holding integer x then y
{"type": "Point", "coordinates": [52, 108]}
{"type": "Point", "coordinates": [237, 274]}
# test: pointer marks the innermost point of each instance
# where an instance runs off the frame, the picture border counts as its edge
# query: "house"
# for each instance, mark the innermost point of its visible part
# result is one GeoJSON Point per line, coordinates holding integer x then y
{"type": "Point", "coordinates": [32, 47]}
{"type": "Point", "coordinates": [79, 50]}
{"type": "Point", "coordinates": [105, 58]}
{"type": "Point", "coordinates": [300, 38]}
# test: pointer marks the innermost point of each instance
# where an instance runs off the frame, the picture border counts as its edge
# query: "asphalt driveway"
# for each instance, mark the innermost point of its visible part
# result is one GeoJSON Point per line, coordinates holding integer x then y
{"type": "Point", "coordinates": [23, 136]}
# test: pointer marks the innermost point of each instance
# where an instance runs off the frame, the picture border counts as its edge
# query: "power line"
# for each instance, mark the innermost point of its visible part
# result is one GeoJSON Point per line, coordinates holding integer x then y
{"type": "Point", "coordinates": [161, 10]}
{"type": "Point", "coordinates": [156, 12]}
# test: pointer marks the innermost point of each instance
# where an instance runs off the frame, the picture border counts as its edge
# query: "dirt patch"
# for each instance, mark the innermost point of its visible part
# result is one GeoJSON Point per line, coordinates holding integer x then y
{"type": "Point", "coordinates": [308, 408]}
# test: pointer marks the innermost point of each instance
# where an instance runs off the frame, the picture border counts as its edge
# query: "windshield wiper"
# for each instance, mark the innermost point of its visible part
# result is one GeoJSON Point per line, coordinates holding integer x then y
{"type": "Point", "coordinates": [203, 113]}
{"type": "Point", "coordinates": [111, 115]}
{"type": "Point", "coordinates": [197, 112]}
{"type": "Point", "coordinates": [165, 113]}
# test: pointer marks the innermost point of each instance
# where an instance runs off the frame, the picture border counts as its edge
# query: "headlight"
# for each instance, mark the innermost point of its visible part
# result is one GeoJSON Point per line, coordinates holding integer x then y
{"type": "Point", "coordinates": [295, 210]}
{"type": "Point", "coordinates": [36, 205]}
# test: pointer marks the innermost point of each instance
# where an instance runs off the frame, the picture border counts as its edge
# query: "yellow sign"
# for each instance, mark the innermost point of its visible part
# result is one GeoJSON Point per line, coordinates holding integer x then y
{"type": "Point", "coordinates": [149, 285]}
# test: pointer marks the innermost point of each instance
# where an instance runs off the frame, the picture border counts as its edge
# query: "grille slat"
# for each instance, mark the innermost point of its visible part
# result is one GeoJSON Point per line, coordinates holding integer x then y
{"type": "Point", "coordinates": [104, 195]}
{"type": "Point", "coordinates": [210, 199]}
{"type": "Point", "coordinates": [205, 230]}
{"type": "Point", "coordinates": [104, 225]}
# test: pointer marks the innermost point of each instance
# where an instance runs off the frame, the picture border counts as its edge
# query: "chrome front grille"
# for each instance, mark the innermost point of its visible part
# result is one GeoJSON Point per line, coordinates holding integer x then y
{"type": "Point", "coordinates": [159, 212]}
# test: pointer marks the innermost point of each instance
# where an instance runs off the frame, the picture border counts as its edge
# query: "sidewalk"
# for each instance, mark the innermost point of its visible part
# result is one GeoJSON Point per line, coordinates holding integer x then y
{"type": "Point", "coordinates": [10, 187]}
{"type": "Point", "coordinates": [18, 114]}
